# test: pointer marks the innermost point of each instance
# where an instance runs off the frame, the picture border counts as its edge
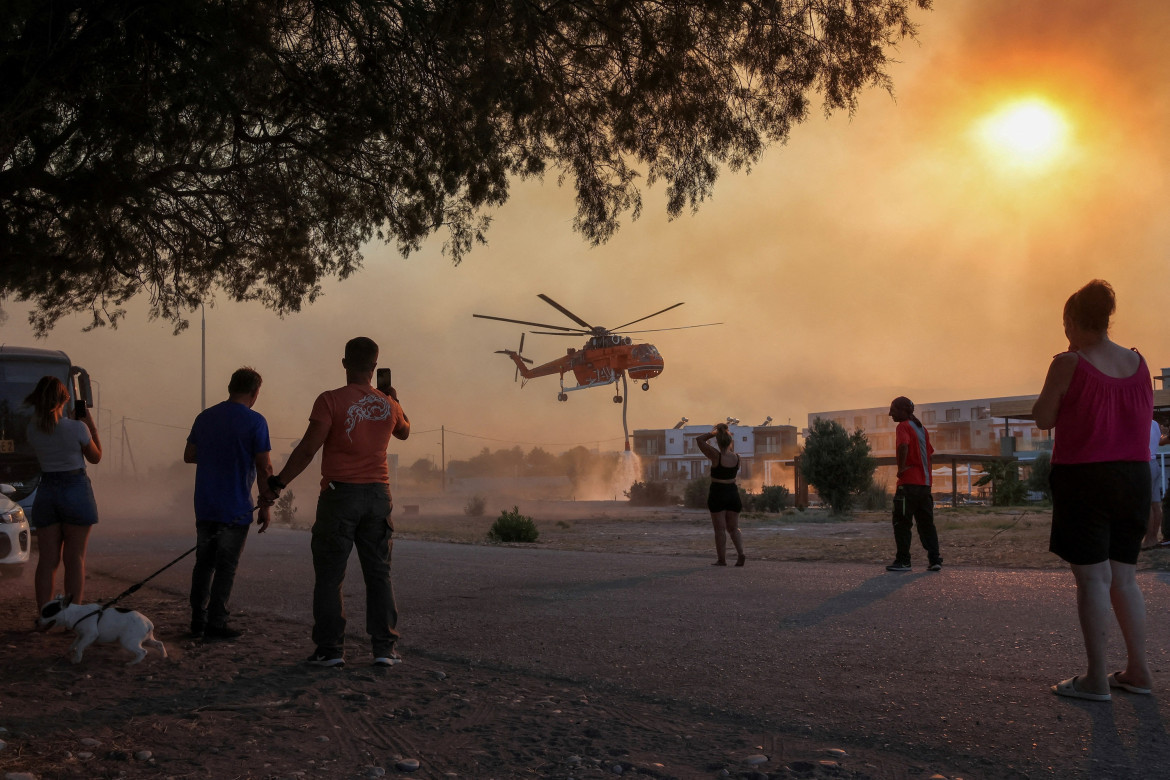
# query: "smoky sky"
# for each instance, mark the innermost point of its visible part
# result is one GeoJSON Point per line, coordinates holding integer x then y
{"type": "Point", "coordinates": [873, 255]}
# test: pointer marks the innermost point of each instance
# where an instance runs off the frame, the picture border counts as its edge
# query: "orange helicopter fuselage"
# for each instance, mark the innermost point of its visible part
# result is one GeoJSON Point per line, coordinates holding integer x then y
{"type": "Point", "coordinates": [601, 361]}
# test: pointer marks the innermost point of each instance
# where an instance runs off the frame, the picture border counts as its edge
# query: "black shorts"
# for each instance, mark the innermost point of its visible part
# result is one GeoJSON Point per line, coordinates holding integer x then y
{"type": "Point", "coordinates": [724, 497]}
{"type": "Point", "coordinates": [1099, 511]}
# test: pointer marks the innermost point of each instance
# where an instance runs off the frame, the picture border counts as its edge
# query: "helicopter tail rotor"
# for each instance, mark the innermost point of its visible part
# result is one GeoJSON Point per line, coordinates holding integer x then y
{"type": "Point", "coordinates": [518, 353]}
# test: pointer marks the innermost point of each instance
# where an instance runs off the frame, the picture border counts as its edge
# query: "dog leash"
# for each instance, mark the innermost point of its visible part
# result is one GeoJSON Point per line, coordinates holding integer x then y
{"type": "Point", "coordinates": [102, 608]}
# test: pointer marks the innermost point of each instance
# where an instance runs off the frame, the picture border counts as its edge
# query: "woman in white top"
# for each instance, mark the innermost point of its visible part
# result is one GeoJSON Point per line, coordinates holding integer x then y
{"type": "Point", "coordinates": [64, 509]}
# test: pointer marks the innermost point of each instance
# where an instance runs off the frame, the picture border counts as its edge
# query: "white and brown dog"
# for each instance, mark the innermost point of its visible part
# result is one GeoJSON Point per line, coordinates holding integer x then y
{"type": "Point", "coordinates": [93, 623]}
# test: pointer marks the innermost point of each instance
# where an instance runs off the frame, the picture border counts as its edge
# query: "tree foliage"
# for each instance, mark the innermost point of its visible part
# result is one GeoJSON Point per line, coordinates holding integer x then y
{"type": "Point", "coordinates": [1038, 475]}
{"type": "Point", "coordinates": [578, 464]}
{"type": "Point", "coordinates": [836, 463]}
{"type": "Point", "coordinates": [424, 470]}
{"type": "Point", "coordinates": [186, 147]}
{"type": "Point", "coordinates": [1004, 477]}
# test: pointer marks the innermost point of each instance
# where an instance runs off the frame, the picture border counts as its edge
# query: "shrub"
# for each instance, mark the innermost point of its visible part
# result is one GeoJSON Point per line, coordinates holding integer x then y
{"type": "Point", "coordinates": [475, 506]}
{"type": "Point", "coordinates": [513, 527]}
{"type": "Point", "coordinates": [875, 497]}
{"type": "Point", "coordinates": [772, 498]}
{"type": "Point", "coordinates": [695, 495]}
{"type": "Point", "coordinates": [650, 494]}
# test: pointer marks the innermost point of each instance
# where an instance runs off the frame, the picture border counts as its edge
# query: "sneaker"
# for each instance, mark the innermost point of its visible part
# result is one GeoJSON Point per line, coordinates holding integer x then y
{"type": "Point", "coordinates": [898, 566]}
{"type": "Point", "coordinates": [936, 566]}
{"type": "Point", "coordinates": [328, 658]}
{"type": "Point", "coordinates": [389, 659]}
{"type": "Point", "coordinates": [220, 632]}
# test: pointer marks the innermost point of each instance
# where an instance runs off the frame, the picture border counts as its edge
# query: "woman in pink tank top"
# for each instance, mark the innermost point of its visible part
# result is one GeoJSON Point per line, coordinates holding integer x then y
{"type": "Point", "coordinates": [1099, 398]}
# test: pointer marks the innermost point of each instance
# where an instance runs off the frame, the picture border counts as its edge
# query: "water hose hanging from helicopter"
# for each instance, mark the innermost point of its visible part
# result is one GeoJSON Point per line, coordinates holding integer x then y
{"type": "Point", "coordinates": [625, 406]}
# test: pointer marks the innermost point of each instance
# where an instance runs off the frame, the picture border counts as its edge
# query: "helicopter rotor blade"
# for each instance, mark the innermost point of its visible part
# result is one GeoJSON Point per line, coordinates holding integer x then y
{"type": "Point", "coordinates": [648, 316]}
{"type": "Point", "coordinates": [574, 331]}
{"type": "Point", "coordinates": [519, 354]}
{"type": "Point", "coordinates": [565, 312]}
{"type": "Point", "coordinates": [680, 327]}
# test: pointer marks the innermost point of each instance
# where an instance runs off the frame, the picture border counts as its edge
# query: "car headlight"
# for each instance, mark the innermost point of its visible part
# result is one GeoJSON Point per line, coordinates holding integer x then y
{"type": "Point", "coordinates": [15, 515]}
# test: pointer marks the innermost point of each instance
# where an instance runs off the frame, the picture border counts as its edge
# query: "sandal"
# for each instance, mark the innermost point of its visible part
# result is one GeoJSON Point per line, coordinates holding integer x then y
{"type": "Point", "coordinates": [1069, 688]}
{"type": "Point", "coordinates": [1117, 682]}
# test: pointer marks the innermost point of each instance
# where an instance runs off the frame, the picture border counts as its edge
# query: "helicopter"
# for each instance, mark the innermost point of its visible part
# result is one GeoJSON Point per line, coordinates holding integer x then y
{"type": "Point", "coordinates": [606, 357]}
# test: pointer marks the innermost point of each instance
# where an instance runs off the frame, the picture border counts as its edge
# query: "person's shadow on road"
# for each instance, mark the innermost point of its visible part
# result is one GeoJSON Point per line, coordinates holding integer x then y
{"type": "Point", "coordinates": [872, 590]}
{"type": "Point", "coordinates": [1109, 755]}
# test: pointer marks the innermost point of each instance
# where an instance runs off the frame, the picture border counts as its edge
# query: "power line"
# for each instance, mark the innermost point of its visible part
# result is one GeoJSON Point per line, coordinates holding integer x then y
{"type": "Point", "coordinates": [517, 441]}
{"type": "Point", "coordinates": [152, 422]}
{"type": "Point", "coordinates": [419, 433]}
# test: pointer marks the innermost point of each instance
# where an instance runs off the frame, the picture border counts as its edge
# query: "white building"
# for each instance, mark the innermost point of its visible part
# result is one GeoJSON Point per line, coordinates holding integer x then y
{"type": "Point", "coordinates": [671, 454]}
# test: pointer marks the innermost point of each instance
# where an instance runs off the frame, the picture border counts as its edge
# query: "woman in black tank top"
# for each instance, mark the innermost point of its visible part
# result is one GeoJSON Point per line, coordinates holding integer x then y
{"type": "Point", "coordinates": [723, 499]}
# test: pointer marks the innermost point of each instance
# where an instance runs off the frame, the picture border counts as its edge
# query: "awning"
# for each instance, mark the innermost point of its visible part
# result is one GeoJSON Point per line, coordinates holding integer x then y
{"type": "Point", "coordinates": [1022, 408]}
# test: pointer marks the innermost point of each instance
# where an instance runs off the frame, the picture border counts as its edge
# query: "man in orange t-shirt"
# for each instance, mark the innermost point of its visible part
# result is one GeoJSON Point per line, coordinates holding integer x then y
{"type": "Point", "coordinates": [353, 426]}
{"type": "Point", "coordinates": [913, 501]}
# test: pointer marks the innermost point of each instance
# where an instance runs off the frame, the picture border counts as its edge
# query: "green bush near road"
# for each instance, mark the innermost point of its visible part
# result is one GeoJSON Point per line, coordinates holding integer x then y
{"type": "Point", "coordinates": [513, 527]}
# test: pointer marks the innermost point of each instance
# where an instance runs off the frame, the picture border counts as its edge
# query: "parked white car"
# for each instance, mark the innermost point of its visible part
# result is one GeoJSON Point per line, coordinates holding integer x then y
{"type": "Point", "coordinates": [15, 539]}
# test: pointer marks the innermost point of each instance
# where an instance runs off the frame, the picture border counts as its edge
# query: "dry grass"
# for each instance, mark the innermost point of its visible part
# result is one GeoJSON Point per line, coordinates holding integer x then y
{"type": "Point", "coordinates": [1007, 537]}
{"type": "Point", "coordinates": [1011, 537]}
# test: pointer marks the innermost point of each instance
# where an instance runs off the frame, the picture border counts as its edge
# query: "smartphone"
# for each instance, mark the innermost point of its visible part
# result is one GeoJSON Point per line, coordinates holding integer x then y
{"type": "Point", "coordinates": [384, 380]}
{"type": "Point", "coordinates": [79, 409]}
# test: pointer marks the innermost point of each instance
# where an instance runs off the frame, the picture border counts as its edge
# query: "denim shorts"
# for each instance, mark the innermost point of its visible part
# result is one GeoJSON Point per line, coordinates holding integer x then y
{"type": "Point", "coordinates": [64, 497]}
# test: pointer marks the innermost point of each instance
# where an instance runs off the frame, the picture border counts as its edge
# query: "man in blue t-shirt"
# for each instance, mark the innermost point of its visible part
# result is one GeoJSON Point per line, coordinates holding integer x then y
{"type": "Point", "coordinates": [229, 445]}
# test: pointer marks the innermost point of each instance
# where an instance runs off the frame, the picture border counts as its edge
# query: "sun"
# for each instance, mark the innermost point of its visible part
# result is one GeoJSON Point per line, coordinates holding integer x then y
{"type": "Point", "coordinates": [1025, 134]}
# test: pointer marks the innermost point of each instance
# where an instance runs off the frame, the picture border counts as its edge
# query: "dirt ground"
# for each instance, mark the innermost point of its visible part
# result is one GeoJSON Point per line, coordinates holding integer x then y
{"type": "Point", "coordinates": [250, 709]}
{"type": "Point", "coordinates": [1011, 537]}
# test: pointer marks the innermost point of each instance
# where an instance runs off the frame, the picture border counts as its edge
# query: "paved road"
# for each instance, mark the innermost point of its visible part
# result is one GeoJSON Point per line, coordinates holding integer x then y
{"type": "Point", "coordinates": [949, 669]}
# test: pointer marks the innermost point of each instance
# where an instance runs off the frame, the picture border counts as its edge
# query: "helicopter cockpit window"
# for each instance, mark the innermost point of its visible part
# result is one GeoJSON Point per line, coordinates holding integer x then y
{"type": "Point", "coordinates": [644, 352]}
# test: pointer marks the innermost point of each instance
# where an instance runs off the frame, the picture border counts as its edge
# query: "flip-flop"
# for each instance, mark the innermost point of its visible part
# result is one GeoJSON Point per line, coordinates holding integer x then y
{"type": "Point", "coordinates": [1117, 682]}
{"type": "Point", "coordinates": [1069, 688]}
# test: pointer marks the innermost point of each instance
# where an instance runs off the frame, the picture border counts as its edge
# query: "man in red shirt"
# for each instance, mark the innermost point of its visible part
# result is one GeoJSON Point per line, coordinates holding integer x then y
{"type": "Point", "coordinates": [354, 425]}
{"type": "Point", "coordinates": [912, 498]}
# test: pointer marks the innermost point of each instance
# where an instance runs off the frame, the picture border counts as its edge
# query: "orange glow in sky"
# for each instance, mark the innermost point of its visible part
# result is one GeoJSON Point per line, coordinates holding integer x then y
{"type": "Point", "coordinates": [922, 246]}
{"type": "Point", "coordinates": [1028, 134]}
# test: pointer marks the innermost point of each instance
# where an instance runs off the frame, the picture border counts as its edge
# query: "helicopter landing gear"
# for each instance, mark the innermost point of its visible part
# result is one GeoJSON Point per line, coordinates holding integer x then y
{"type": "Point", "coordinates": [562, 396]}
{"type": "Point", "coordinates": [645, 385]}
{"type": "Point", "coordinates": [617, 399]}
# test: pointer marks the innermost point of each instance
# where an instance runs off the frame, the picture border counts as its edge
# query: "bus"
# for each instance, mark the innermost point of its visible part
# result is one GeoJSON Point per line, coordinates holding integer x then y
{"type": "Point", "coordinates": [20, 370]}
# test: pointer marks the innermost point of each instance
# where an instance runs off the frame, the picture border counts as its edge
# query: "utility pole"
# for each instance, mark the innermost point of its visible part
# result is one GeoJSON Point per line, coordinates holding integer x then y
{"type": "Point", "coordinates": [127, 448]}
{"type": "Point", "coordinates": [203, 355]}
{"type": "Point", "coordinates": [443, 455]}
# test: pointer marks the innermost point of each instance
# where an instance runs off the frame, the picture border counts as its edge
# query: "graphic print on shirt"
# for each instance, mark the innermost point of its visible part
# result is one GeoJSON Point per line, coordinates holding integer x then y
{"type": "Point", "coordinates": [373, 406]}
